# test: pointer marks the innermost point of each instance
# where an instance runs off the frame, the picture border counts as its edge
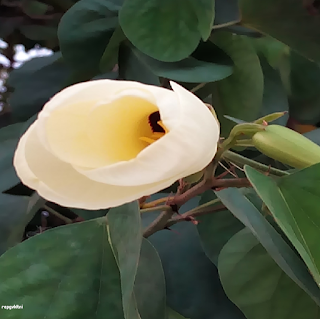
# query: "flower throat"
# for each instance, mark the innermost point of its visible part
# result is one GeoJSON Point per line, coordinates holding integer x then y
{"type": "Point", "coordinates": [157, 127]}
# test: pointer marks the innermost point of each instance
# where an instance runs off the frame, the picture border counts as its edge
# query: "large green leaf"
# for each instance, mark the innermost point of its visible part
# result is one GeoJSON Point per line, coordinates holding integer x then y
{"type": "Point", "coordinates": [293, 201]}
{"type": "Point", "coordinates": [125, 236]}
{"type": "Point", "coordinates": [84, 32]}
{"type": "Point", "coordinates": [291, 22]}
{"type": "Point", "coordinates": [305, 89]}
{"type": "Point", "coordinates": [149, 286]}
{"type": "Point", "coordinates": [34, 83]}
{"type": "Point", "coordinates": [132, 69]}
{"type": "Point", "coordinates": [39, 32]}
{"type": "Point", "coordinates": [270, 239]}
{"type": "Point", "coordinates": [34, 7]}
{"type": "Point", "coordinates": [90, 214]}
{"type": "Point", "coordinates": [13, 210]}
{"type": "Point", "coordinates": [271, 49]}
{"type": "Point", "coordinates": [193, 286]}
{"type": "Point", "coordinates": [216, 229]}
{"type": "Point", "coordinates": [9, 138]}
{"type": "Point", "coordinates": [189, 69]}
{"type": "Point", "coordinates": [205, 13]}
{"type": "Point", "coordinates": [111, 54]}
{"type": "Point", "coordinates": [166, 30]}
{"type": "Point", "coordinates": [68, 272]}
{"type": "Point", "coordinates": [274, 94]}
{"type": "Point", "coordinates": [239, 95]}
{"type": "Point", "coordinates": [257, 285]}
{"type": "Point", "coordinates": [174, 315]}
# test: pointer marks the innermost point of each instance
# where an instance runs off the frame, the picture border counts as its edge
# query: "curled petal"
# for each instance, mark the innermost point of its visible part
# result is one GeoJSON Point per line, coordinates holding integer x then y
{"type": "Point", "coordinates": [186, 149]}
{"type": "Point", "coordinates": [58, 182]}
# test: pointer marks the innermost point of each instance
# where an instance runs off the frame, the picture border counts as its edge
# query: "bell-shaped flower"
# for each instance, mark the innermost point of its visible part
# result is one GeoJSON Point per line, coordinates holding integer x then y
{"type": "Point", "coordinates": [103, 143]}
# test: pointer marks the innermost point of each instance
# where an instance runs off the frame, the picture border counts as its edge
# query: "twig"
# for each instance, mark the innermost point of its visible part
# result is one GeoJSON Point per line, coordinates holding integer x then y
{"type": "Point", "coordinates": [163, 222]}
{"type": "Point", "coordinates": [224, 25]}
{"type": "Point", "coordinates": [53, 212]}
{"type": "Point", "coordinates": [198, 87]}
{"type": "Point", "coordinates": [195, 213]}
{"type": "Point", "coordinates": [159, 223]}
{"type": "Point", "coordinates": [205, 205]}
{"type": "Point", "coordinates": [154, 208]}
{"type": "Point", "coordinates": [205, 185]}
{"type": "Point", "coordinates": [239, 159]}
{"type": "Point", "coordinates": [155, 202]}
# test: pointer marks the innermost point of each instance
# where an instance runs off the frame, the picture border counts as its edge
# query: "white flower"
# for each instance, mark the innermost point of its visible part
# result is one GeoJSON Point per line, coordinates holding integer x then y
{"type": "Point", "coordinates": [93, 147]}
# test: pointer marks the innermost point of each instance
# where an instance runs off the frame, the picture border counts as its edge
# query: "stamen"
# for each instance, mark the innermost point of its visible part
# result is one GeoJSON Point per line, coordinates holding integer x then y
{"type": "Point", "coordinates": [163, 127]}
{"type": "Point", "coordinates": [158, 129]}
{"type": "Point", "coordinates": [147, 139]}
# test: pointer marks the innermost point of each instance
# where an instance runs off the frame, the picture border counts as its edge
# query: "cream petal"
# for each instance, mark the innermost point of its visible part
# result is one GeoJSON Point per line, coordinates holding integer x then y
{"type": "Point", "coordinates": [58, 182]}
{"type": "Point", "coordinates": [103, 91]}
{"type": "Point", "coordinates": [186, 149]}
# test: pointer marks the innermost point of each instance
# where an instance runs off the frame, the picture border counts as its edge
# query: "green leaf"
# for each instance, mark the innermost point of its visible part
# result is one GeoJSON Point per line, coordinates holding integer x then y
{"type": "Point", "coordinates": [90, 214]}
{"type": "Point", "coordinates": [85, 31]}
{"type": "Point", "coordinates": [240, 95]}
{"type": "Point", "coordinates": [16, 212]}
{"type": "Point", "coordinates": [188, 70]}
{"type": "Point", "coordinates": [271, 49]}
{"type": "Point", "coordinates": [13, 210]}
{"type": "Point", "coordinates": [257, 285]}
{"type": "Point", "coordinates": [149, 286]}
{"type": "Point", "coordinates": [216, 229]}
{"type": "Point", "coordinates": [110, 56]}
{"type": "Point", "coordinates": [271, 240]}
{"type": "Point", "coordinates": [125, 236]}
{"type": "Point", "coordinates": [288, 21]}
{"type": "Point", "coordinates": [305, 89]}
{"type": "Point", "coordinates": [193, 286]}
{"type": "Point", "coordinates": [33, 7]}
{"type": "Point", "coordinates": [108, 75]}
{"type": "Point", "coordinates": [293, 201]}
{"type": "Point", "coordinates": [39, 32]}
{"type": "Point", "coordinates": [166, 30]}
{"type": "Point", "coordinates": [68, 272]}
{"type": "Point", "coordinates": [9, 138]}
{"type": "Point", "coordinates": [204, 10]}
{"type": "Point", "coordinates": [233, 119]}
{"type": "Point", "coordinates": [132, 69]}
{"type": "Point", "coordinates": [173, 314]}
{"type": "Point", "coordinates": [274, 94]}
{"type": "Point", "coordinates": [34, 83]}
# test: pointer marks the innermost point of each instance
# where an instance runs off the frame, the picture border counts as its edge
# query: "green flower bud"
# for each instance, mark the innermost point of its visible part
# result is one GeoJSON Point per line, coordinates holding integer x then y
{"type": "Point", "coordinates": [287, 146]}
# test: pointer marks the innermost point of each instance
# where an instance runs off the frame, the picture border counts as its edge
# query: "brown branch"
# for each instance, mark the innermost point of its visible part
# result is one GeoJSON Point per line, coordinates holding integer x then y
{"type": "Point", "coordinates": [190, 216]}
{"type": "Point", "coordinates": [165, 219]}
{"type": "Point", "coordinates": [209, 184]}
{"type": "Point", "coordinates": [159, 223]}
{"type": "Point", "coordinates": [163, 222]}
